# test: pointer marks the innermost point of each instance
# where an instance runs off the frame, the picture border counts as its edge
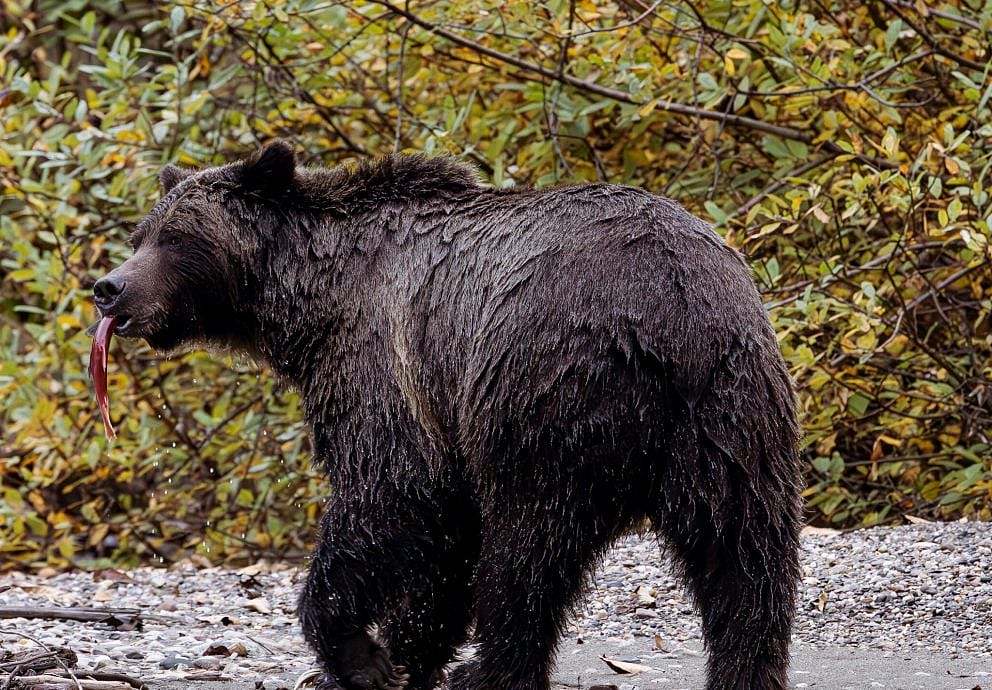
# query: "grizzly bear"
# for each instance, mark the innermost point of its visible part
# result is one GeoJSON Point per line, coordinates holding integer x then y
{"type": "Point", "coordinates": [499, 384]}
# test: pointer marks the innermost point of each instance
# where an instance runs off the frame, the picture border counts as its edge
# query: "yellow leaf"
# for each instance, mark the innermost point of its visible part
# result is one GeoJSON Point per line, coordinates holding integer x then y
{"type": "Point", "coordinates": [867, 341]}
{"type": "Point", "coordinates": [648, 108]}
{"type": "Point", "coordinates": [97, 534]}
{"type": "Point", "coordinates": [203, 65]}
{"type": "Point", "coordinates": [67, 321]}
{"type": "Point", "coordinates": [897, 344]}
{"type": "Point", "coordinates": [765, 230]}
{"type": "Point", "coordinates": [889, 142]}
{"type": "Point", "coordinates": [130, 136]}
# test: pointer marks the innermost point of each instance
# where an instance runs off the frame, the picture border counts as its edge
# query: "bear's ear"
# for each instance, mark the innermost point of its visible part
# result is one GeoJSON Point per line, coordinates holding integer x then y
{"type": "Point", "coordinates": [170, 176]}
{"type": "Point", "coordinates": [270, 169]}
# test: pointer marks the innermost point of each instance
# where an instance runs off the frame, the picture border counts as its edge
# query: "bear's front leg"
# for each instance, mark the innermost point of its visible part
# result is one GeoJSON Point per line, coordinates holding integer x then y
{"type": "Point", "coordinates": [433, 616]}
{"type": "Point", "coordinates": [355, 575]}
{"type": "Point", "coordinates": [360, 662]}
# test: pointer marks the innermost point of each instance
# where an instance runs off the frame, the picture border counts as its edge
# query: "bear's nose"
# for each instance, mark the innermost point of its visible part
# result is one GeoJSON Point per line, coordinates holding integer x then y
{"type": "Point", "coordinates": [108, 289]}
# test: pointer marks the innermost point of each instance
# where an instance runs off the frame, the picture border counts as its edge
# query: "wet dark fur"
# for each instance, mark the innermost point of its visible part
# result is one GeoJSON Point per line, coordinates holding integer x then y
{"type": "Point", "coordinates": [499, 385]}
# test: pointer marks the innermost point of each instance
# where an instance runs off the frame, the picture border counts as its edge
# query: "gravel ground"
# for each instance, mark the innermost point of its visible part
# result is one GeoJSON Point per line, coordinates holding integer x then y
{"type": "Point", "coordinates": [915, 589]}
{"type": "Point", "coordinates": [918, 587]}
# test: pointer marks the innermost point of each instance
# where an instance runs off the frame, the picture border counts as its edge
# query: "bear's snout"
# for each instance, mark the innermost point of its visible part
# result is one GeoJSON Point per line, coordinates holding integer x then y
{"type": "Point", "coordinates": [108, 290]}
{"type": "Point", "coordinates": [121, 293]}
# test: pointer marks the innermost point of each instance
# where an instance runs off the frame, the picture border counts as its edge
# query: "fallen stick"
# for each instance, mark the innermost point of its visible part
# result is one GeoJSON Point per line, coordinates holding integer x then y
{"type": "Point", "coordinates": [50, 682]}
{"type": "Point", "coordinates": [68, 613]}
{"type": "Point", "coordinates": [119, 677]}
{"type": "Point", "coordinates": [116, 618]}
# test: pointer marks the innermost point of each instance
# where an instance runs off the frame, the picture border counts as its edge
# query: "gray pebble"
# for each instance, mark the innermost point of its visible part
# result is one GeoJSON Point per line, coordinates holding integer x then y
{"type": "Point", "coordinates": [170, 663]}
{"type": "Point", "coordinates": [209, 663]}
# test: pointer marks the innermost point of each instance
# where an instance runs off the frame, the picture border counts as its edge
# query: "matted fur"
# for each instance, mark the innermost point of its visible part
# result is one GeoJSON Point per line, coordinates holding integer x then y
{"type": "Point", "coordinates": [499, 384]}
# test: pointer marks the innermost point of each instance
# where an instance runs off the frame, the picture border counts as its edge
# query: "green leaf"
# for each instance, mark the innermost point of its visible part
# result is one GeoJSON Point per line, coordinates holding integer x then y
{"type": "Point", "coordinates": [892, 34]}
{"type": "Point", "coordinates": [857, 404]}
{"type": "Point", "coordinates": [775, 147]}
{"type": "Point", "coordinates": [176, 17]}
{"type": "Point", "coordinates": [716, 213]}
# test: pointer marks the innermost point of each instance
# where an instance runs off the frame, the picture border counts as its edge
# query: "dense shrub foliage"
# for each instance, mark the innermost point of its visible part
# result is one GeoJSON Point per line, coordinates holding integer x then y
{"type": "Point", "coordinates": [844, 146]}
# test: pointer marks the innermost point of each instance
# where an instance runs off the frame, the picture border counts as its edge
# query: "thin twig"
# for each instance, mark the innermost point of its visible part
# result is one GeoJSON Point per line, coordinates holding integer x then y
{"type": "Point", "coordinates": [949, 16]}
{"type": "Point", "coordinates": [957, 275]}
{"type": "Point", "coordinates": [606, 29]}
{"type": "Point", "coordinates": [399, 88]}
{"type": "Point", "coordinates": [931, 41]}
{"type": "Point", "coordinates": [782, 182]}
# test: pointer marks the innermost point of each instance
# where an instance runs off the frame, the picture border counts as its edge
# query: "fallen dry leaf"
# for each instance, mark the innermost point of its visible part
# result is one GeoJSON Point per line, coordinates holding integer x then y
{"type": "Point", "coordinates": [821, 601]}
{"type": "Point", "coordinates": [259, 604]}
{"type": "Point", "coordinates": [112, 574]}
{"type": "Point", "coordinates": [206, 675]}
{"type": "Point", "coordinates": [221, 649]}
{"type": "Point", "coordinates": [259, 568]}
{"type": "Point", "coordinates": [104, 594]}
{"type": "Point", "coordinates": [625, 667]}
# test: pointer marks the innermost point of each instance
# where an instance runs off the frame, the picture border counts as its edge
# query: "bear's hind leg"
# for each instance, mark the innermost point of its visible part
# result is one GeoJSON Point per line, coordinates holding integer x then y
{"type": "Point", "coordinates": [539, 546]}
{"type": "Point", "coordinates": [739, 556]}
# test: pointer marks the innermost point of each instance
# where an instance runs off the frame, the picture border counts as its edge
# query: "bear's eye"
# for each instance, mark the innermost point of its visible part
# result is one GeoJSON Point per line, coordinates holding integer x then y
{"type": "Point", "coordinates": [172, 241]}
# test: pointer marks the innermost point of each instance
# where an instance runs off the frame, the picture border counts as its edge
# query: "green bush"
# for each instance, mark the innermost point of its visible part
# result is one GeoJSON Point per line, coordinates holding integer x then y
{"type": "Point", "coordinates": [844, 146]}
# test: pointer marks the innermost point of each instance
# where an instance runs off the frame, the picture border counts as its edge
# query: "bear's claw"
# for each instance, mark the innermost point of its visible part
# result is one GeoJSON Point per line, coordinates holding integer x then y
{"type": "Point", "coordinates": [360, 664]}
{"type": "Point", "coordinates": [309, 679]}
{"type": "Point", "coordinates": [369, 679]}
{"type": "Point", "coordinates": [381, 675]}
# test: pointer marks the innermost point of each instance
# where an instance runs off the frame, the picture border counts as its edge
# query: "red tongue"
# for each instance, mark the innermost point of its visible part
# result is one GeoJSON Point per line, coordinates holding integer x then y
{"type": "Point", "coordinates": [98, 370]}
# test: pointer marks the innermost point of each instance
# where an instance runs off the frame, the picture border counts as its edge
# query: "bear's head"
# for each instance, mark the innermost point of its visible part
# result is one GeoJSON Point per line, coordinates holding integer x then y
{"type": "Point", "coordinates": [188, 280]}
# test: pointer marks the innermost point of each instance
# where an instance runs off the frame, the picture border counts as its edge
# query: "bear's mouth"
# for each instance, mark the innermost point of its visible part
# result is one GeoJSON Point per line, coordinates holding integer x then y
{"type": "Point", "coordinates": [124, 326]}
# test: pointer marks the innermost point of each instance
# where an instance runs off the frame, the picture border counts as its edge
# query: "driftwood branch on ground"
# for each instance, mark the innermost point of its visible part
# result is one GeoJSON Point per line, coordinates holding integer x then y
{"type": "Point", "coordinates": [124, 619]}
{"type": "Point", "coordinates": [54, 682]}
{"type": "Point", "coordinates": [110, 676]}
